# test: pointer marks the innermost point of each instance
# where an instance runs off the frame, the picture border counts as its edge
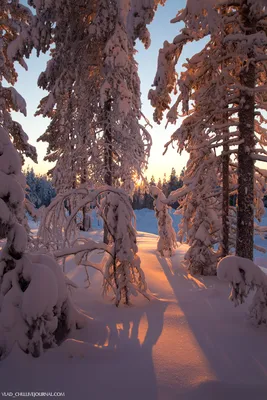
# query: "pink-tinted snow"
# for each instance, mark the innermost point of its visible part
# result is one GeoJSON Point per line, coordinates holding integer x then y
{"type": "Point", "coordinates": [188, 342]}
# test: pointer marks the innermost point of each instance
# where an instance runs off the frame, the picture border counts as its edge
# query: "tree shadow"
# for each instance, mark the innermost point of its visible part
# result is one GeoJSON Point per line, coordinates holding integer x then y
{"type": "Point", "coordinates": [133, 334]}
{"type": "Point", "coordinates": [235, 355]}
{"type": "Point", "coordinates": [118, 366]}
{"type": "Point", "coordinates": [222, 391]}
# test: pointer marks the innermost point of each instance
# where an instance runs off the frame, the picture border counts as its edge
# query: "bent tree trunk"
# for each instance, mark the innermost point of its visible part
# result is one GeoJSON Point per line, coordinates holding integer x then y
{"type": "Point", "coordinates": [245, 211]}
{"type": "Point", "coordinates": [107, 154]}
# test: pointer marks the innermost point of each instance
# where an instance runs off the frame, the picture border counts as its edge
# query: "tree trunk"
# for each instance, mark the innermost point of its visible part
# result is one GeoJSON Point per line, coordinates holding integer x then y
{"type": "Point", "coordinates": [107, 154]}
{"type": "Point", "coordinates": [225, 200]}
{"type": "Point", "coordinates": [72, 200]}
{"type": "Point", "coordinates": [225, 175]}
{"type": "Point", "coordinates": [84, 226]}
{"type": "Point", "coordinates": [245, 211]}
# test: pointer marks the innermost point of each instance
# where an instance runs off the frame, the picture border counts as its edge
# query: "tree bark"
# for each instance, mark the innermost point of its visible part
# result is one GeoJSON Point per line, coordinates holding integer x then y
{"type": "Point", "coordinates": [225, 200]}
{"type": "Point", "coordinates": [225, 174]}
{"type": "Point", "coordinates": [245, 210]}
{"type": "Point", "coordinates": [83, 181]}
{"type": "Point", "coordinates": [73, 185]}
{"type": "Point", "coordinates": [107, 154]}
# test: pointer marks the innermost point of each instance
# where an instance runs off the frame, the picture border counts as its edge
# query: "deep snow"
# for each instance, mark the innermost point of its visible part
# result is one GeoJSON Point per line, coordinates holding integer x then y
{"type": "Point", "coordinates": [188, 342]}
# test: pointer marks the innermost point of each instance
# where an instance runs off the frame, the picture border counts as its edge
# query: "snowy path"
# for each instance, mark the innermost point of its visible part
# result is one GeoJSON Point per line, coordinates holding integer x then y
{"type": "Point", "coordinates": [192, 344]}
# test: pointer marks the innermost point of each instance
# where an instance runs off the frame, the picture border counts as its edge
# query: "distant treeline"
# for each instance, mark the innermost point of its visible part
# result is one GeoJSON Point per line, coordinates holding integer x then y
{"type": "Point", "coordinates": [142, 198]}
{"type": "Point", "coordinates": [39, 190]}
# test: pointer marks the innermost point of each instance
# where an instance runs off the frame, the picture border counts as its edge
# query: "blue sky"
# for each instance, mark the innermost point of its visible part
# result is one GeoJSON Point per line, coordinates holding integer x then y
{"type": "Point", "coordinates": [161, 29]}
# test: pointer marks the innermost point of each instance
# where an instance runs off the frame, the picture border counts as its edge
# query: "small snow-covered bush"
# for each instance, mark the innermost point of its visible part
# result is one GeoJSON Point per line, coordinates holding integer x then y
{"type": "Point", "coordinates": [167, 242]}
{"type": "Point", "coordinates": [35, 308]}
{"type": "Point", "coordinates": [244, 276]}
{"type": "Point", "coordinates": [121, 269]}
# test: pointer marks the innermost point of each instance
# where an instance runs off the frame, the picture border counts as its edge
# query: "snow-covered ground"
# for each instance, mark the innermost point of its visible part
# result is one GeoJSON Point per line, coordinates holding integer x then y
{"type": "Point", "coordinates": [187, 343]}
{"type": "Point", "coordinates": [146, 222]}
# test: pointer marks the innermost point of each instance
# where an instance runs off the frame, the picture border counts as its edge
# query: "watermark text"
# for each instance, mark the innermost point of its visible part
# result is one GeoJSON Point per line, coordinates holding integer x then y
{"type": "Point", "coordinates": [17, 395]}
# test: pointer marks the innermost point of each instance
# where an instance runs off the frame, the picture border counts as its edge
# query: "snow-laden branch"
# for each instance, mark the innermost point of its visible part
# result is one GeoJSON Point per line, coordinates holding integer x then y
{"type": "Point", "coordinates": [244, 276]}
{"type": "Point", "coordinates": [121, 267]}
{"type": "Point", "coordinates": [89, 246]}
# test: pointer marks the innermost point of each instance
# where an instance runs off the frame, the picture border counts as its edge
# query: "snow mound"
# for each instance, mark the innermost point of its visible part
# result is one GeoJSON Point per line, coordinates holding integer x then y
{"type": "Point", "coordinates": [244, 276]}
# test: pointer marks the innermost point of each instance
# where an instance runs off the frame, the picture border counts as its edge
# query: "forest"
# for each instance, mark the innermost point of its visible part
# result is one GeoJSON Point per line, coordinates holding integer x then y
{"type": "Point", "coordinates": [79, 280]}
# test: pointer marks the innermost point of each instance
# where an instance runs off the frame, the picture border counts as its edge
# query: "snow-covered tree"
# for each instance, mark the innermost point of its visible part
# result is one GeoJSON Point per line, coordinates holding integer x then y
{"type": "Point", "coordinates": [36, 311]}
{"type": "Point", "coordinates": [199, 204]}
{"type": "Point", "coordinates": [245, 276]}
{"type": "Point", "coordinates": [165, 185]}
{"type": "Point", "coordinates": [212, 92]}
{"type": "Point", "coordinates": [94, 89]}
{"type": "Point", "coordinates": [14, 18]}
{"type": "Point", "coordinates": [173, 183]}
{"type": "Point", "coordinates": [40, 190]}
{"type": "Point", "coordinates": [121, 269]}
{"type": "Point", "coordinates": [93, 67]}
{"type": "Point", "coordinates": [31, 181]}
{"type": "Point", "coordinates": [198, 197]}
{"type": "Point", "coordinates": [35, 308]}
{"type": "Point", "coordinates": [250, 43]}
{"type": "Point", "coordinates": [167, 242]}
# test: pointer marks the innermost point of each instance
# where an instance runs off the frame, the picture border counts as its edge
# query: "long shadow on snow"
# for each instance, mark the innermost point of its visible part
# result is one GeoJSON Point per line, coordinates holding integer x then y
{"type": "Point", "coordinates": [122, 369]}
{"type": "Point", "coordinates": [224, 391]}
{"type": "Point", "coordinates": [237, 356]}
{"type": "Point", "coordinates": [132, 334]}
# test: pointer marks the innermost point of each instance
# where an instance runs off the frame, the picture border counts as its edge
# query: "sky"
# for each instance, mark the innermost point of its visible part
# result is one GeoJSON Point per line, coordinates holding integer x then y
{"type": "Point", "coordinates": [160, 29]}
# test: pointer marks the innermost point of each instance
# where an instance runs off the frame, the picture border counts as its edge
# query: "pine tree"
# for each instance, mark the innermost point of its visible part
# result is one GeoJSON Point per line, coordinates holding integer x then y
{"type": "Point", "coordinates": [152, 181]}
{"type": "Point", "coordinates": [14, 19]}
{"type": "Point", "coordinates": [114, 144]}
{"type": "Point", "coordinates": [165, 185]}
{"type": "Point", "coordinates": [200, 207]}
{"type": "Point", "coordinates": [35, 322]}
{"type": "Point", "coordinates": [217, 73]}
{"type": "Point", "coordinates": [246, 115]}
{"type": "Point", "coordinates": [31, 191]}
{"type": "Point", "coordinates": [40, 190]}
{"type": "Point", "coordinates": [94, 90]}
{"type": "Point", "coordinates": [159, 184]}
{"type": "Point", "coordinates": [173, 183]}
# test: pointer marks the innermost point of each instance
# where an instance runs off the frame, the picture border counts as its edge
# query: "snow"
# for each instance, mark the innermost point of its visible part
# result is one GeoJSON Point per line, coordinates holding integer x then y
{"type": "Point", "coordinates": [18, 237]}
{"type": "Point", "coordinates": [188, 342]}
{"type": "Point", "coordinates": [244, 276]}
{"type": "Point", "coordinates": [19, 102]}
{"type": "Point", "coordinates": [5, 215]}
{"type": "Point", "coordinates": [229, 270]}
{"type": "Point", "coordinates": [9, 158]}
{"type": "Point", "coordinates": [167, 237]}
{"type": "Point", "coordinates": [146, 221]}
{"type": "Point", "coordinates": [43, 286]}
